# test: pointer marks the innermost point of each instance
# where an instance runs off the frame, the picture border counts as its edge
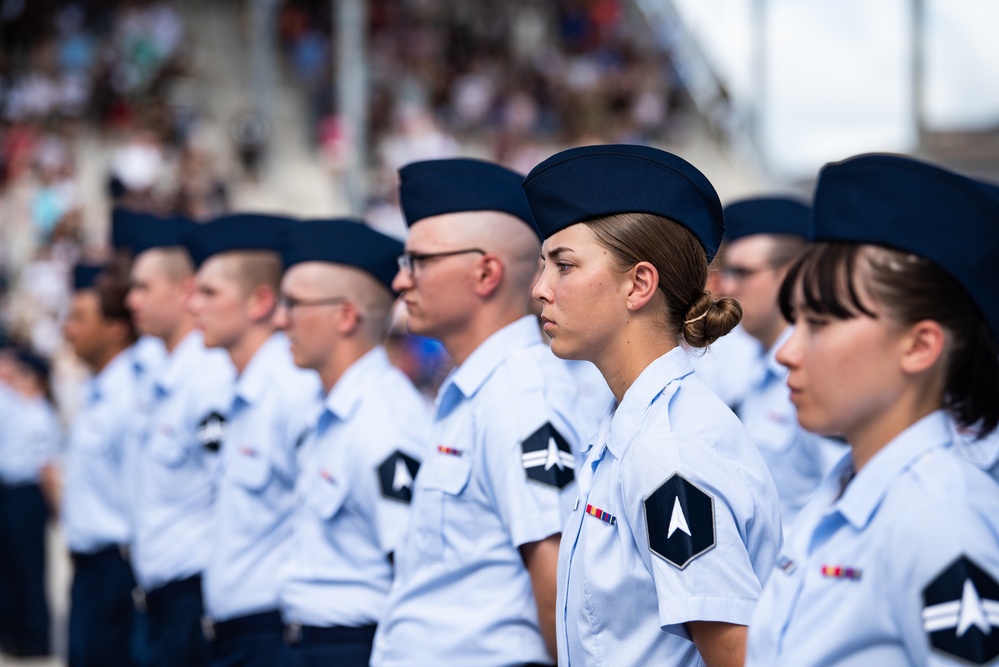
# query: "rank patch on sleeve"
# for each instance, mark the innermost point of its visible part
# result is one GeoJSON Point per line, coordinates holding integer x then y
{"type": "Point", "coordinates": [211, 431]}
{"type": "Point", "coordinates": [396, 474]}
{"type": "Point", "coordinates": [680, 521]}
{"type": "Point", "coordinates": [961, 612]}
{"type": "Point", "coordinates": [547, 458]}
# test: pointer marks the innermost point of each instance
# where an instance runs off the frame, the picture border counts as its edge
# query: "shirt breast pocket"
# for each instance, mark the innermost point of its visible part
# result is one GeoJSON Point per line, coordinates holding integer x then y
{"type": "Point", "coordinates": [93, 439]}
{"type": "Point", "coordinates": [326, 497]}
{"type": "Point", "coordinates": [170, 479]}
{"type": "Point", "coordinates": [251, 473]}
{"type": "Point", "coordinates": [441, 515]}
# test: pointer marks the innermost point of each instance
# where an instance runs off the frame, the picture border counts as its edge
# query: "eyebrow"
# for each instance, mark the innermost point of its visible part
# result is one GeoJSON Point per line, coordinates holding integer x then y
{"type": "Point", "coordinates": [555, 252]}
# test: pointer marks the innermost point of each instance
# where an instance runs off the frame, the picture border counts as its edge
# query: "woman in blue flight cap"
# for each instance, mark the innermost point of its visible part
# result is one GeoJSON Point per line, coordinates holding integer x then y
{"type": "Point", "coordinates": [895, 559]}
{"type": "Point", "coordinates": [677, 520]}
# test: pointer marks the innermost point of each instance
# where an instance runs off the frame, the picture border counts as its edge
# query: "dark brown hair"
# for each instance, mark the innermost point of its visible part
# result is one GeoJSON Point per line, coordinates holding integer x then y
{"type": "Point", "coordinates": [677, 255]}
{"type": "Point", "coordinates": [910, 289]}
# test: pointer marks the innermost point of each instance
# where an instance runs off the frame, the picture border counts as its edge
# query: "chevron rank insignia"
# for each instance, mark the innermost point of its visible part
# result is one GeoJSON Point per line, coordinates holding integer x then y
{"type": "Point", "coordinates": [680, 521]}
{"type": "Point", "coordinates": [211, 431]}
{"type": "Point", "coordinates": [961, 613]}
{"type": "Point", "coordinates": [396, 474]}
{"type": "Point", "coordinates": [547, 458]}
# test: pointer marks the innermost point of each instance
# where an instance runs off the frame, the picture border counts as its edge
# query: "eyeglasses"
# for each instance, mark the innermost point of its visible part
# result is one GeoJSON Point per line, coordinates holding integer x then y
{"type": "Point", "coordinates": [290, 303]}
{"type": "Point", "coordinates": [740, 273]}
{"type": "Point", "coordinates": [408, 260]}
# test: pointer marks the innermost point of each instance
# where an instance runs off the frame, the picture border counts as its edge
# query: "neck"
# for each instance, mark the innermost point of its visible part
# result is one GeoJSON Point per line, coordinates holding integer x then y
{"type": "Point", "coordinates": [770, 338]}
{"type": "Point", "coordinates": [243, 351]}
{"type": "Point", "coordinates": [867, 439]}
{"type": "Point", "coordinates": [99, 364]}
{"type": "Point", "coordinates": [461, 344]}
{"type": "Point", "coordinates": [345, 354]}
{"type": "Point", "coordinates": [179, 333]}
{"type": "Point", "coordinates": [625, 361]}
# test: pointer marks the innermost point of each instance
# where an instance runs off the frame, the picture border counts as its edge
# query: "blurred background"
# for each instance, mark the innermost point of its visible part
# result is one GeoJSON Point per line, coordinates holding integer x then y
{"type": "Point", "coordinates": [308, 108]}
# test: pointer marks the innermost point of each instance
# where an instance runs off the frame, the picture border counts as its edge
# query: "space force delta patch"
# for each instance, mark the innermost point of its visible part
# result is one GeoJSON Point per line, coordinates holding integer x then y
{"type": "Point", "coordinates": [961, 612]}
{"type": "Point", "coordinates": [680, 521]}
{"type": "Point", "coordinates": [547, 458]}
{"type": "Point", "coordinates": [396, 474]}
{"type": "Point", "coordinates": [211, 431]}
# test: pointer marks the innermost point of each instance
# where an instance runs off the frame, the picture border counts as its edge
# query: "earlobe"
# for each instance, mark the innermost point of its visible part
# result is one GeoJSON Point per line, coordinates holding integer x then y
{"type": "Point", "coordinates": [644, 283]}
{"type": "Point", "coordinates": [924, 346]}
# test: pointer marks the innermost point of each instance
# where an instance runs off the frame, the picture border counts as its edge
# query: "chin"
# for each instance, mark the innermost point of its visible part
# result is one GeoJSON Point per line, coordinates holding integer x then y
{"type": "Point", "coordinates": [563, 350]}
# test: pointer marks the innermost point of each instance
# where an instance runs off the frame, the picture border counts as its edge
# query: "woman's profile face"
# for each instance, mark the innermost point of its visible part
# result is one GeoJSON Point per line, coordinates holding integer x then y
{"type": "Point", "coordinates": [582, 293]}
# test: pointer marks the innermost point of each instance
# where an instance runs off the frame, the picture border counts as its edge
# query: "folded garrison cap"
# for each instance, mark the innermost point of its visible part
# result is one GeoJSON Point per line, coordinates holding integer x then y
{"type": "Point", "coordinates": [456, 185]}
{"type": "Point", "coordinates": [902, 203]}
{"type": "Point", "coordinates": [138, 232]}
{"type": "Point", "coordinates": [767, 215]}
{"type": "Point", "coordinates": [85, 276]}
{"type": "Point", "coordinates": [238, 231]}
{"type": "Point", "coordinates": [591, 182]}
{"type": "Point", "coordinates": [342, 241]}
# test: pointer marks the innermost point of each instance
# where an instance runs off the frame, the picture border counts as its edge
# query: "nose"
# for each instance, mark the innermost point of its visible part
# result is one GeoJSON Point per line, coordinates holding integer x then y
{"type": "Point", "coordinates": [403, 281]}
{"type": "Point", "coordinates": [727, 284]}
{"type": "Point", "coordinates": [541, 292]}
{"type": "Point", "coordinates": [789, 354]}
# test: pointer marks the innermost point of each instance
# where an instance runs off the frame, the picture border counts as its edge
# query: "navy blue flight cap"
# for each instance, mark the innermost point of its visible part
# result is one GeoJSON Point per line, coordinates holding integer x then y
{"type": "Point", "coordinates": [139, 232]}
{"type": "Point", "coordinates": [238, 231]}
{"type": "Point", "coordinates": [898, 202]}
{"type": "Point", "coordinates": [767, 215]}
{"type": "Point", "coordinates": [85, 276]}
{"type": "Point", "coordinates": [592, 182]}
{"type": "Point", "coordinates": [457, 185]}
{"type": "Point", "coordinates": [346, 241]}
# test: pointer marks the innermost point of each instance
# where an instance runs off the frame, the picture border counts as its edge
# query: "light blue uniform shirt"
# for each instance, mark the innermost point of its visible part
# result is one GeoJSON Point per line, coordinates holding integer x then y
{"type": "Point", "coordinates": [30, 439]}
{"type": "Point", "coordinates": [354, 490]}
{"type": "Point", "coordinates": [191, 393]}
{"type": "Point", "coordinates": [502, 462]}
{"type": "Point", "coordinates": [984, 452]}
{"type": "Point", "coordinates": [274, 402]}
{"type": "Point", "coordinates": [95, 512]}
{"type": "Point", "coordinates": [798, 460]}
{"type": "Point", "coordinates": [873, 572]}
{"type": "Point", "coordinates": [677, 521]}
{"type": "Point", "coordinates": [146, 356]}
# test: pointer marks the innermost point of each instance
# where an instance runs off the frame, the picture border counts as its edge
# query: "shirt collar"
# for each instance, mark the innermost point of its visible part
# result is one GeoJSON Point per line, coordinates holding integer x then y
{"type": "Point", "coordinates": [255, 378]}
{"type": "Point", "coordinates": [490, 354]}
{"type": "Point", "coordinates": [97, 386]}
{"type": "Point", "coordinates": [871, 484]}
{"type": "Point", "coordinates": [345, 396]}
{"type": "Point", "coordinates": [178, 363]}
{"type": "Point", "coordinates": [628, 417]}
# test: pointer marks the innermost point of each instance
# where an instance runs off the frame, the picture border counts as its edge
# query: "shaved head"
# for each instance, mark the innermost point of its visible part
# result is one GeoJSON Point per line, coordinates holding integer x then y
{"type": "Point", "coordinates": [373, 300]}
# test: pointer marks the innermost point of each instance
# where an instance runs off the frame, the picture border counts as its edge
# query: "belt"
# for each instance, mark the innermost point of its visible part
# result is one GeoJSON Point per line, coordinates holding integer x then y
{"type": "Point", "coordinates": [296, 633]}
{"type": "Point", "coordinates": [251, 624]}
{"type": "Point", "coordinates": [170, 589]}
{"type": "Point", "coordinates": [116, 551]}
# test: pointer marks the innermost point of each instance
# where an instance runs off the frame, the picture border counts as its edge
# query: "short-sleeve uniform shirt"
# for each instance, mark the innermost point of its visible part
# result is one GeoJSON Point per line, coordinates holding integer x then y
{"type": "Point", "coordinates": [894, 565]}
{"type": "Point", "coordinates": [500, 464]}
{"type": "Point", "coordinates": [181, 441]}
{"type": "Point", "coordinates": [273, 404]}
{"type": "Point", "coordinates": [677, 521]}
{"type": "Point", "coordinates": [354, 490]}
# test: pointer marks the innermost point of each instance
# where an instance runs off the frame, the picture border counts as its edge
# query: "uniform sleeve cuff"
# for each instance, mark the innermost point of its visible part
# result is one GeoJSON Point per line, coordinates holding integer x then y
{"type": "Point", "coordinates": [673, 613]}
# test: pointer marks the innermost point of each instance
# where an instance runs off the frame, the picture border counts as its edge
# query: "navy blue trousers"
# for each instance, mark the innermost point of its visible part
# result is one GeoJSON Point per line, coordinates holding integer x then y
{"type": "Point", "coordinates": [24, 609]}
{"type": "Point", "coordinates": [249, 641]}
{"type": "Point", "coordinates": [173, 632]}
{"type": "Point", "coordinates": [352, 651]}
{"type": "Point", "coordinates": [101, 610]}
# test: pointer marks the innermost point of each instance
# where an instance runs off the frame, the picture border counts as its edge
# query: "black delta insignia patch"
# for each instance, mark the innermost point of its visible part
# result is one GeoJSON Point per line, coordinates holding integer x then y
{"type": "Point", "coordinates": [396, 475]}
{"type": "Point", "coordinates": [961, 612]}
{"type": "Point", "coordinates": [680, 521]}
{"type": "Point", "coordinates": [548, 459]}
{"type": "Point", "coordinates": [211, 431]}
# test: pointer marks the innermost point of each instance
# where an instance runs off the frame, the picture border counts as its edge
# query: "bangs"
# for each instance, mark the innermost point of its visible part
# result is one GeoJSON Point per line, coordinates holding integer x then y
{"type": "Point", "coordinates": [826, 274]}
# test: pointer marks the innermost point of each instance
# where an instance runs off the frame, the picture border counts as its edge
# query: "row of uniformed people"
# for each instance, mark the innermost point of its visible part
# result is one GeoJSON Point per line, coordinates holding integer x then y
{"type": "Point", "coordinates": [688, 518]}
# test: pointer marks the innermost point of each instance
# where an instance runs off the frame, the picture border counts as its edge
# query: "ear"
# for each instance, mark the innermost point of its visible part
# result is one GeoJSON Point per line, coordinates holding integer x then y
{"type": "Point", "coordinates": [923, 346]}
{"type": "Point", "coordinates": [348, 317]}
{"type": "Point", "coordinates": [262, 302]}
{"type": "Point", "coordinates": [488, 274]}
{"type": "Point", "coordinates": [644, 283]}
